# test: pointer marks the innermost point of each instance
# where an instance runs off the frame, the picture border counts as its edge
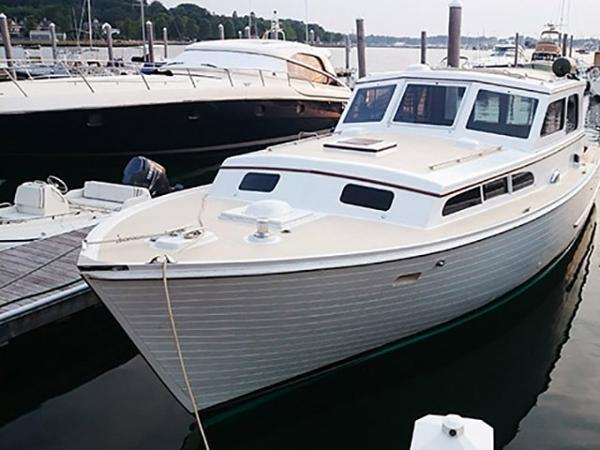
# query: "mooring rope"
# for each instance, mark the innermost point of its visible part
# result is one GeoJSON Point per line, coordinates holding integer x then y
{"type": "Point", "coordinates": [180, 354]}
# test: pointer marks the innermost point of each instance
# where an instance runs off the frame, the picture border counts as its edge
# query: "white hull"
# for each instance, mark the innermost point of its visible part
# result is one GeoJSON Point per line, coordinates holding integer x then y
{"type": "Point", "coordinates": [243, 334]}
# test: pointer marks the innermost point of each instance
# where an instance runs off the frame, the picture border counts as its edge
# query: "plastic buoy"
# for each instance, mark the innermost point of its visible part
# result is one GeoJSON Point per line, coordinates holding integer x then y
{"type": "Point", "coordinates": [451, 432]}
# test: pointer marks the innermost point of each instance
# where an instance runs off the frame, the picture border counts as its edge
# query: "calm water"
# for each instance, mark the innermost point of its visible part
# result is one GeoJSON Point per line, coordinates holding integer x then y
{"type": "Point", "coordinates": [531, 369]}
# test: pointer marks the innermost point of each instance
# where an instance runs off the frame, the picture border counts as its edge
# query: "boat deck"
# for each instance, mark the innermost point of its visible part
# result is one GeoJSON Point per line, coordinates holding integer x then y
{"type": "Point", "coordinates": [36, 279]}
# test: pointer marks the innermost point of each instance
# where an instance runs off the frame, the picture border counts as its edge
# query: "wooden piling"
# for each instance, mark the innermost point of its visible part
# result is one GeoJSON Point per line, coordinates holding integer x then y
{"type": "Point", "coordinates": [361, 46]}
{"type": "Point", "coordinates": [517, 39]}
{"type": "Point", "coordinates": [150, 36]}
{"type": "Point", "coordinates": [454, 29]}
{"type": "Point", "coordinates": [565, 44]}
{"type": "Point", "coordinates": [53, 42]}
{"type": "Point", "coordinates": [107, 28]}
{"type": "Point", "coordinates": [221, 32]}
{"type": "Point", "coordinates": [7, 44]}
{"type": "Point", "coordinates": [348, 50]}
{"type": "Point", "coordinates": [571, 46]}
{"type": "Point", "coordinates": [423, 47]}
{"type": "Point", "coordinates": [248, 32]}
{"type": "Point", "coordinates": [165, 36]}
{"type": "Point", "coordinates": [312, 36]}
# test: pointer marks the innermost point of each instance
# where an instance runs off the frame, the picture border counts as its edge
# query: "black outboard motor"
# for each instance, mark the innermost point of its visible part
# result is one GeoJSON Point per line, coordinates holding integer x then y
{"type": "Point", "coordinates": [146, 173]}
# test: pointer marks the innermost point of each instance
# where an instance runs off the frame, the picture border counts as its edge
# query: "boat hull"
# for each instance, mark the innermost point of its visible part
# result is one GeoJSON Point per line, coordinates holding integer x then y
{"type": "Point", "coordinates": [166, 129]}
{"type": "Point", "coordinates": [243, 334]}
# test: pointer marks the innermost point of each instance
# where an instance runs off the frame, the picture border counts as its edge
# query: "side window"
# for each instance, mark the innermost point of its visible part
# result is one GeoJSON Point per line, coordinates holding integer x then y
{"type": "Point", "coordinates": [495, 188]}
{"type": "Point", "coordinates": [555, 118]}
{"type": "Point", "coordinates": [428, 104]}
{"type": "Point", "coordinates": [573, 113]}
{"type": "Point", "coordinates": [304, 73]}
{"type": "Point", "coordinates": [370, 104]}
{"type": "Point", "coordinates": [259, 182]}
{"type": "Point", "coordinates": [367, 197]}
{"type": "Point", "coordinates": [504, 114]}
{"type": "Point", "coordinates": [462, 201]}
{"type": "Point", "coordinates": [522, 180]}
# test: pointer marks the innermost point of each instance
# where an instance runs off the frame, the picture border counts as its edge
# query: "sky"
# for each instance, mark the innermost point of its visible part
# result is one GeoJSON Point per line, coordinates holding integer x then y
{"type": "Point", "coordinates": [409, 17]}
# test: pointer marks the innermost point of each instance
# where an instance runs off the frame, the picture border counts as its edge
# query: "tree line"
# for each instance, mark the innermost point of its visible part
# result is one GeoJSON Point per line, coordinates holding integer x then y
{"type": "Point", "coordinates": [185, 22]}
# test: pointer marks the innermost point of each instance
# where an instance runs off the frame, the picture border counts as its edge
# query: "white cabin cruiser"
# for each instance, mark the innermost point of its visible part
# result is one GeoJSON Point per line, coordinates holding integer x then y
{"type": "Point", "coordinates": [439, 192]}
{"type": "Point", "coordinates": [217, 96]}
{"type": "Point", "coordinates": [503, 55]}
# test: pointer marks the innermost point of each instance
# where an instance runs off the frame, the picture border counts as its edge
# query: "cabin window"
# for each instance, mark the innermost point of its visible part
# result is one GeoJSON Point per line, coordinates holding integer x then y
{"type": "Point", "coordinates": [504, 114]}
{"type": "Point", "coordinates": [370, 104]}
{"type": "Point", "coordinates": [309, 69]}
{"type": "Point", "coordinates": [367, 197]}
{"type": "Point", "coordinates": [429, 104]}
{"type": "Point", "coordinates": [555, 117]}
{"type": "Point", "coordinates": [462, 201]}
{"type": "Point", "coordinates": [572, 113]}
{"type": "Point", "coordinates": [495, 188]}
{"type": "Point", "coordinates": [522, 180]}
{"type": "Point", "coordinates": [259, 182]}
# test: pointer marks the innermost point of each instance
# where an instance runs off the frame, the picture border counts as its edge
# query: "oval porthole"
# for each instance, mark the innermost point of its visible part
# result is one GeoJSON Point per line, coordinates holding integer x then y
{"type": "Point", "coordinates": [300, 109]}
{"type": "Point", "coordinates": [406, 280]}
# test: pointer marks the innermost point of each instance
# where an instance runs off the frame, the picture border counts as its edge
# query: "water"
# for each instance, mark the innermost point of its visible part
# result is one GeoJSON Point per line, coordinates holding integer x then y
{"type": "Point", "coordinates": [531, 369]}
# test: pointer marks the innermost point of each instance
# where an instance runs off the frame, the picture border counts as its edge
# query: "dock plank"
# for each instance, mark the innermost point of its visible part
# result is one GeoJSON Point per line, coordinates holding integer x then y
{"type": "Point", "coordinates": [39, 267]}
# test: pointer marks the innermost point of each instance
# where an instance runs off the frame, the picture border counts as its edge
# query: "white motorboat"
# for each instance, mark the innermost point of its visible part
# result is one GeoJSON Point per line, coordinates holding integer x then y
{"type": "Point", "coordinates": [549, 46]}
{"type": "Point", "coordinates": [440, 192]}
{"type": "Point", "coordinates": [45, 209]}
{"type": "Point", "coordinates": [503, 55]}
{"type": "Point", "coordinates": [215, 97]}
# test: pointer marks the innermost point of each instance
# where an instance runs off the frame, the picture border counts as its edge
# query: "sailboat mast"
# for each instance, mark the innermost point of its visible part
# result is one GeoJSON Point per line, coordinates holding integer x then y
{"type": "Point", "coordinates": [89, 13]}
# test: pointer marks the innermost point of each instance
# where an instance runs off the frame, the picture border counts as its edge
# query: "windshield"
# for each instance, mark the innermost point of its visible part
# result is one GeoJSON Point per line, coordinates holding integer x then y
{"type": "Point", "coordinates": [503, 51]}
{"type": "Point", "coordinates": [193, 58]}
{"type": "Point", "coordinates": [370, 104]}
{"type": "Point", "coordinates": [430, 104]}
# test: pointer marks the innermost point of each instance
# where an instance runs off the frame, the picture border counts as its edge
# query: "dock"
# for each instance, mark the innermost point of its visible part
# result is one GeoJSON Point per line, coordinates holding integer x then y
{"type": "Point", "coordinates": [40, 283]}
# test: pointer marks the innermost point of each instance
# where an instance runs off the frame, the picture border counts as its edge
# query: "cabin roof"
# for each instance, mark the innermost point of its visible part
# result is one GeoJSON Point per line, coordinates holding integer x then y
{"type": "Point", "coordinates": [534, 80]}
{"type": "Point", "coordinates": [270, 47]}
{"type": "Point", "coordinates": [431, 165]}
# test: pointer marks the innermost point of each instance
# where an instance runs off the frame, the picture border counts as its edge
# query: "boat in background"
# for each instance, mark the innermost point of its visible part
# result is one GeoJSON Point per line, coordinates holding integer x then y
{"type": "Point", "coordinates": [215, 97]}
{"type": "Point", "coordinates": [45, 209]}
{"type": "Point", "coordinates": [548, 47]}
{"type": "Point", "coordinates": [503, 55]}
{"type": "Point", "coordinates": [440, 192]}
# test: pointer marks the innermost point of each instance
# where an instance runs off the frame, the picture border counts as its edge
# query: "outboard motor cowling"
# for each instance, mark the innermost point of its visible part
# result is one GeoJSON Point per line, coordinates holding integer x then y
{"type": "Point", "coordinates": [144, 172]}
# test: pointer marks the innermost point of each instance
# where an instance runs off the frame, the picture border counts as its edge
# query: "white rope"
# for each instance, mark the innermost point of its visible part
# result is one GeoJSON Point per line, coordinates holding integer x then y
{"type": "Point", "coordinates": [180, 354]}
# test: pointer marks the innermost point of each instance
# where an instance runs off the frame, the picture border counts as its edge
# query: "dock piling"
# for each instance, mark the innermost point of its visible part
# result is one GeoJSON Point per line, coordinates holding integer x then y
{"type": "Point", "coordinates": [423, 47]}
{"type": "Point", "coordinates": [165, 35]}
{"type": "Point", "coordinates": [221, 32]}
{"type": "Point", "coordinates": [240, 34]}
{"type": "Point", "coordinates": [7, 44]}
{"type": "Point", "coordinates": [312, 36]}
{"type": "Point", "coordinates": [571, 46]}
{"type": "Point", "coordinates": [348, 50]}
{"type": "Point", "coordinates": [565, 44]}
{"type": "Point", "coordinates": [150, 35]}
{"type": "Point", "coordinates": [247, 32]}
{"type": "Point", "coordinates": [517, 39]}
{"type": "Point", "coordinates": [53, 42]}
{"type": "Point", "coordinates": [454, 30]}
{"type": "Point", "coordinates": [361, 46]}
{"type": "Point", "coordinates": [107, 28]}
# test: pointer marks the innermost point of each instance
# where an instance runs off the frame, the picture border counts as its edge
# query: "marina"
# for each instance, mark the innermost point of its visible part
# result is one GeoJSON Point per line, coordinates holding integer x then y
{"type": "Point", "coordinates": [402, 258]}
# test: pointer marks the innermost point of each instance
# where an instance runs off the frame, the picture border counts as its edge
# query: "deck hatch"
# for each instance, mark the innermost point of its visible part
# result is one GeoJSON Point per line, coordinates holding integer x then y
{"type": "Point", "coordinates": [367, 145]}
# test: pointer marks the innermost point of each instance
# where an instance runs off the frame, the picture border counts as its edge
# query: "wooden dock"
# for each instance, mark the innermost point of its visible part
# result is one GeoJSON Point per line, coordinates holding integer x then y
{"type": "Point", "coordinates": [40, 283]}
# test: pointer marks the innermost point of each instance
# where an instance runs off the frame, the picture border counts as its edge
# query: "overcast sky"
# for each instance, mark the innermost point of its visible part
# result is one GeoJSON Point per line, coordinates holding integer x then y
{"type": "Point", "coordinates": [404, 17]}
